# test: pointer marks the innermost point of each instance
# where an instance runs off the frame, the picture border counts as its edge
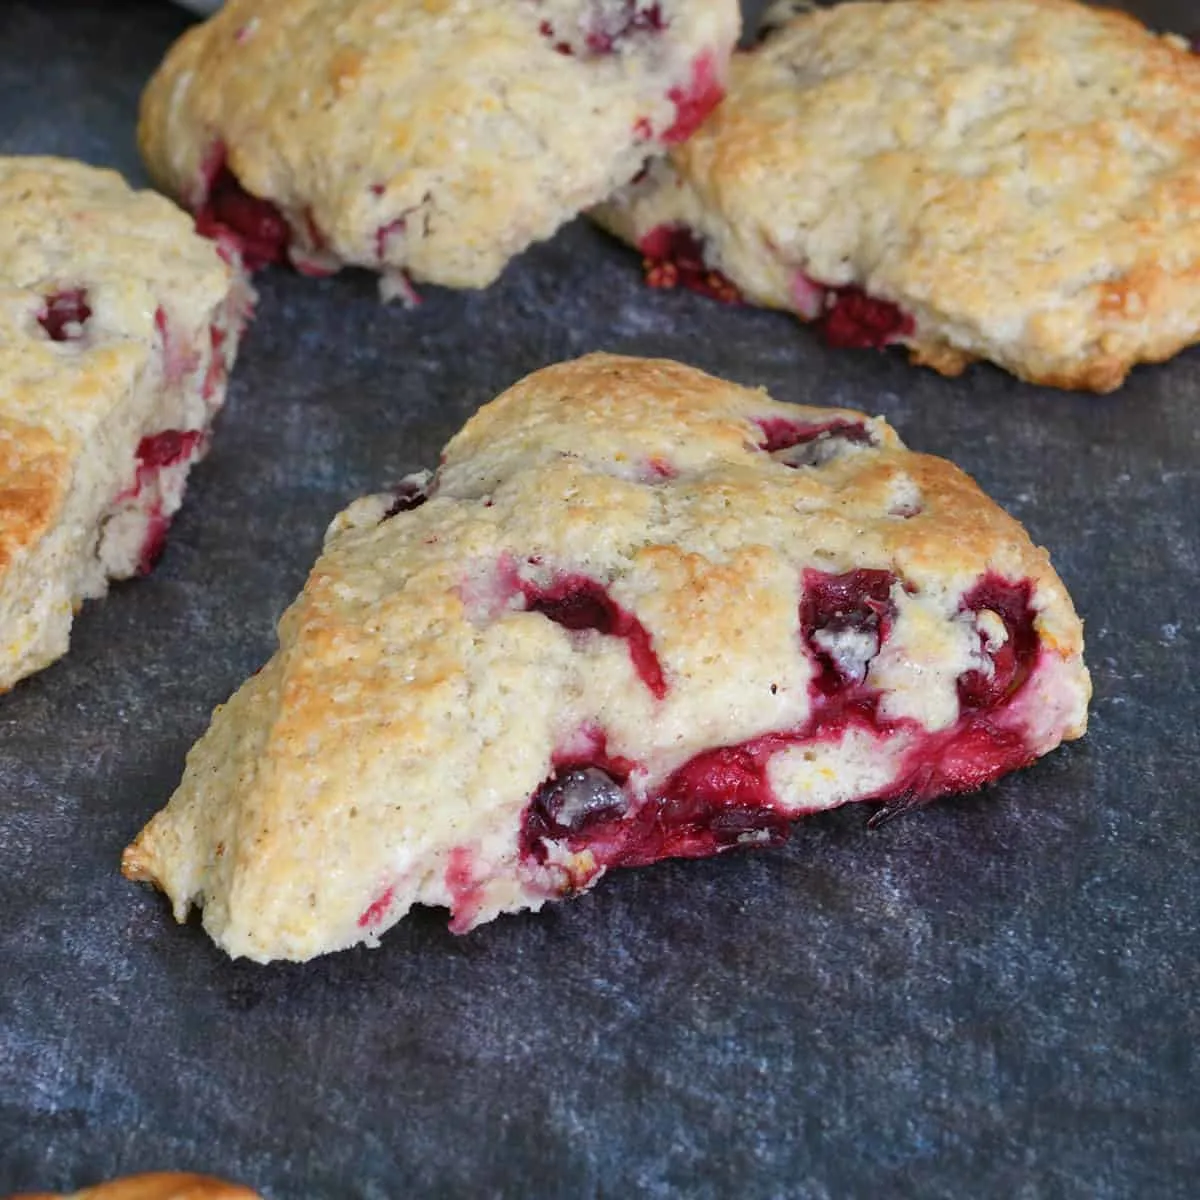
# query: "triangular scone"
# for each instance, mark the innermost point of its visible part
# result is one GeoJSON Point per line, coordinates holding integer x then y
{"type": "Point", "coordinates": [1012, 180]}
{"type": "Point", "coordinates": [118, 325]}
{"type": "Point", "coordinates": [638, 612]}
{"type": "Point", "coordinates": [417, 139]}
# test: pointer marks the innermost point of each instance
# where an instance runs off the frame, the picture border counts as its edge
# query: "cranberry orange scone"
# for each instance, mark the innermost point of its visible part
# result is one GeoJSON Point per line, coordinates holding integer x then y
{"type": "Point", "coordinates": [1012, 180]}
{"type": "Point", "coordinates": [159, 1185]}
{"type": "Point", "coordinates": [119, 324]}
{"type": "Point", "coordinates": [431, 140]}
{"type": "Point", "coordinates": [637, 613]}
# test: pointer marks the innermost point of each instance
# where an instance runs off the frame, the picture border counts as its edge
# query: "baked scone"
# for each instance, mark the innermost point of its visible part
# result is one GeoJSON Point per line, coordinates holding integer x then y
{"type": "Point", "coordinates": [159, 1185]}
{"type": "Point", "coordinates": [637, 613]}
{"type": "Point", "coordinates": [423, 140]}
{"type": "Point", "coordinates": [118, 325]}
{"type": "Point", "coordinates": [1012, 180]}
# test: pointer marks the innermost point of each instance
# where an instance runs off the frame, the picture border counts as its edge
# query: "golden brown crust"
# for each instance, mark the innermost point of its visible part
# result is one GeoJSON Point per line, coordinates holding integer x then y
{"type": "Point", "coordinates": [416, 702]}
{"type": "Point", "coordinates": [1021, 177]}
{"type": "Point", "coordinates": [34, 475]}
{"type": "Point", "coordinates": [158, 1185]}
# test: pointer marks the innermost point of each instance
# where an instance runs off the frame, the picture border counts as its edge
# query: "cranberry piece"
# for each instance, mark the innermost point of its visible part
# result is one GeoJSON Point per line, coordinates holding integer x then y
{"type": "Point", "coordinates": [1012, 662]}
{"type": "Point", "coordinates": [155, 541]}
{"type": "Point", "coordinates": [693, 103]}
{"type": "Point", "coordinates": [384, 232]}
{"type": "Point", "coordinates": [257, 226]}
{"type": "Point", "coordinates": [607, 32]}
{"type": "Point", "coordinates": [64, 316]}
{"type": "Point", "coordinates": [578, 603]}
{"type": "Point", "coordinates": [718, 801]}
{"type": "Point", "coordinates": [960, 759]}
{"type": "Point", "coordinates": [547, 31]}
{"type": "Point", "coordinates": [568, 803]}
{"type": "Point", "coordinates": [374, 913]}
{"type": "Point", "coordinates": [168, 448]}
{"type": "Point", "coordinates": [805, 444]}
{"type": "Point", "coordinates": [466, 890]}
{"type": "Point", "coordinates": [855, 320]}
{"type": "Point", "coordinates": [409, 493]}
{"type": "Point", "coordinates": [214, 376]}
{"type": "Point", "coordinates": [673, 256]}
{"type": "Point", "coordinates": [857, 604]}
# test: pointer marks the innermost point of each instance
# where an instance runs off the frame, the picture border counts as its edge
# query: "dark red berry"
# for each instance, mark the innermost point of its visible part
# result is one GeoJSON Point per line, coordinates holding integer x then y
{"type": "Point", "coordinates": [65, 314]}
{"type": "Point", "coordinates": [673, 256]}
{"type": "Point", "coordinates": [578, 603]}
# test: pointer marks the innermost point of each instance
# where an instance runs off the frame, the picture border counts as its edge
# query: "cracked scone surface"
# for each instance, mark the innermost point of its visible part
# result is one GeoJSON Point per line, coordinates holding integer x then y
{"type": "Point", "coordinates": [638, 612]}
{"type": "Point", "coordinates": [119, 325]}
{"type": "Point", "coordinates": [431, 140]}
{"type": "Point", "coordinates": [158, 1185]}
{"type": "Point", "coordinates": [1012, 180]}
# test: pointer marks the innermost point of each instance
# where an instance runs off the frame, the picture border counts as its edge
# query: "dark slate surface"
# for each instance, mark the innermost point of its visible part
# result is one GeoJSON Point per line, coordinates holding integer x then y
{"type": "Point", "coordinates": [995, 998]}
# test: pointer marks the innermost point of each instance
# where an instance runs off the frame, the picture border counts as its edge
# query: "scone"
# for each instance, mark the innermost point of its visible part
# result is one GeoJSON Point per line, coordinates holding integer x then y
{"type": "Point", "coordinates": [423, 140]}
{"type": "Point", "coordinates": [1012, 180]}
{"type": "Point", "coordinates": [161, 1185]}
{"type": "Point", "coordinates": [637, 613]}
{"type": "Point", "coordinates": [118, 325]}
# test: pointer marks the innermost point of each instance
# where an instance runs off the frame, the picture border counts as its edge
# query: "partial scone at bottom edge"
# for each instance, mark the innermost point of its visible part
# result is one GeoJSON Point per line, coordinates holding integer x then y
{"type": "Point", "coordinates": [638, 612]}
{"type": "Point", "coordinates": [1009, 180]}
{"type": "Point", "coordinates": [158, 1185]}
{"type": "Point", "coordinates": [118, 327]}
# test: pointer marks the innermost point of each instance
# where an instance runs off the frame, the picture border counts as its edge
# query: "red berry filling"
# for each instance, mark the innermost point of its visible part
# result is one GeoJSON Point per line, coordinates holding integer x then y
{"type": "Point", "coordinates": [722, 798]}
{"type": "Point", "coordinates": [1014, 659]}
{"type": "Point", "coordinates": [848, 317]}
{"type": "Point", "coordinates": [167, 448]}
{"type": "Point", "coordinates": [857, 321]}
{"type": "Point", "coordinates": [378, 909]}
{"type": "Point", "coordinates": [228, 210]}
{"type": "Point", "coordinates": [155, 453]}
{"type": "Point", "coordinates": [673, 256]}
{"type": "Point", "coordinates": [384, 232]}
{"type": "Point", "coordinates": [64, 316]}
{"type": "Point", "coordinates": [857, 604]}
{"type": "Point", "coordinates": [694, 102]}
{"type": "Point", "coordinates": [812, 443]}
{"type": "Point", "coordinates": [578, 603]}
{"type": "Point", "coordinates": [466, 891]}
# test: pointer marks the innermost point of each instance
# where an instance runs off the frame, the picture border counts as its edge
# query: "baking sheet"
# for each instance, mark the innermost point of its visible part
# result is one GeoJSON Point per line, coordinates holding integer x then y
{"type": "Point", "coordinates": [995, 997]}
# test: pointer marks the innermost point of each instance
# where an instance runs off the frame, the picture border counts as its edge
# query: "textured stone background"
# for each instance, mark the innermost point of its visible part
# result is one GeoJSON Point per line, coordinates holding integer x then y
{"type": "Point", "coordinates": [994, 998]}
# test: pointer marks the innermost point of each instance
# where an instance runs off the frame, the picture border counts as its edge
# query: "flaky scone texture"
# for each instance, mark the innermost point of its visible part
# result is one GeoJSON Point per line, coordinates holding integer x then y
{"type": "Point", "coordinates": [117, 325]}
{"type": "Point", "coordinates": [1020, 178]}
{"type": "Point", "coordinates": [158, 1185]}
{"type": "Point", "coordinates": [620, 567]}
{"type": "Point", "coordinates": [436, 138]}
